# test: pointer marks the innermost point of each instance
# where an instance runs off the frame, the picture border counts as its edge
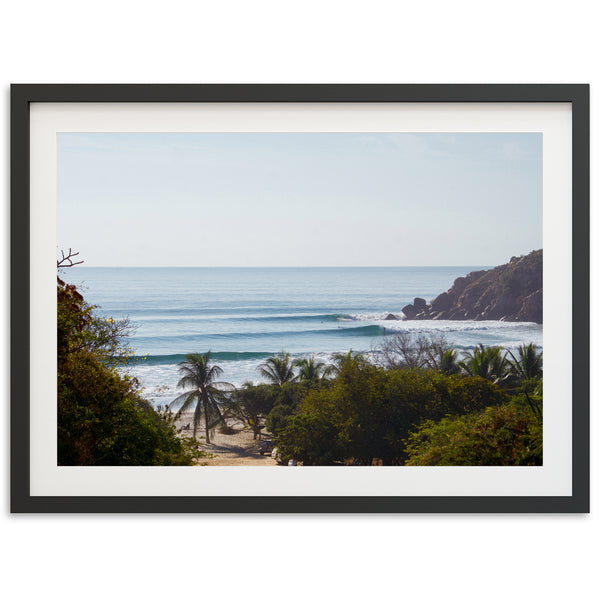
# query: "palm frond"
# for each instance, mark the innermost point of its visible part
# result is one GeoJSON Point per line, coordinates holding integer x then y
{"type": "Point", "coordinates": [184, 401]}
{"type": "Point", "coordinates": [310, 369]}
{"type": "Point", "coordinates": [189, 381]}
{"type": "Point", "coordinates": [198, 372]}
{"type": "Point", "coordinates": [487, 362]}
{"type": "Point", "coordinates": [528, 365]}
{"type": "Point", "coordinates": [278, 369]}
{"type": "Point", "coordinates": [214, 415]}
{"type": "Point", "coordinates": [214, 372]}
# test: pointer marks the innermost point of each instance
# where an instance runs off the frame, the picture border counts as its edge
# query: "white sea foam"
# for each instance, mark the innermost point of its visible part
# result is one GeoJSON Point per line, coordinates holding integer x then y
{"type": "Point", "coordinates": [245, 315]}
{"type": "Point", "coordinates": [377, 317]}
{"type": "Point", "coordinates": [439, 325]}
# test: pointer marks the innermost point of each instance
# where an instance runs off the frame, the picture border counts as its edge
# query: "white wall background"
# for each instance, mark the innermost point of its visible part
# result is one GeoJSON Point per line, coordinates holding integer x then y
{"type": "Point", "coordinates": [542, 556]}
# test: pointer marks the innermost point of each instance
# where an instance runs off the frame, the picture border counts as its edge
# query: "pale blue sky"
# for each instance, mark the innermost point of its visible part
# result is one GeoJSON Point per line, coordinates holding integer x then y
{"type": "Point", "coordinates": [299, 199]}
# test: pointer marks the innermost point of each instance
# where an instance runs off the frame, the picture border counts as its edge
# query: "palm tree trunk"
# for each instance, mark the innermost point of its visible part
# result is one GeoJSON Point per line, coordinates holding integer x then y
{"type": "Point", "coordinates": [196, 419]}
{"type": "Point", "coordinates": [205, 401]}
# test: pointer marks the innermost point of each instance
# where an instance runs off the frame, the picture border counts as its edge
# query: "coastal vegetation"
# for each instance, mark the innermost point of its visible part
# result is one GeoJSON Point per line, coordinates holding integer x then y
{"type": "Point", "coordinates": [312, 370]}
{"type": "Point", "coordinates": [501, 435]}
{"type": "Point", "coordinates": [102, 417]}
{"type": "Point", "coordinates": [249, 405]}
{"type": "Point", "coordinates": [415, 404]}
{"type": "Point", "coordinates": [278, 370]}
{"type": "Point", "coordinates": [413, 400]}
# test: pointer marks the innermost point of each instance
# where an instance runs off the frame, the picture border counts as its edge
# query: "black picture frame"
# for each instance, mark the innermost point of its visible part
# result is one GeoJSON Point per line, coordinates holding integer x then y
{"type": "Point", "coordinates": [23, 95]}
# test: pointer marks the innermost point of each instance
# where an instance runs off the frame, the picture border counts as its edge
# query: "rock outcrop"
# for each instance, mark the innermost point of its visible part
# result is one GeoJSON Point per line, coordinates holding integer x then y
{"type": "Point", "coordinates": [510, 292]}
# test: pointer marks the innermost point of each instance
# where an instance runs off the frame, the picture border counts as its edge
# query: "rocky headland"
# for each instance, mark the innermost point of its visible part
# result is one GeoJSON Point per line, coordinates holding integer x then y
{"type": "Point", "coordinates": [510, 292]}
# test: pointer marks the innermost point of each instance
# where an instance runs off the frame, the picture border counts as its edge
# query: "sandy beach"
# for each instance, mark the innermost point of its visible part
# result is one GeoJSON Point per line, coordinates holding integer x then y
{"type": "Point", "coordinates": [238, 449]}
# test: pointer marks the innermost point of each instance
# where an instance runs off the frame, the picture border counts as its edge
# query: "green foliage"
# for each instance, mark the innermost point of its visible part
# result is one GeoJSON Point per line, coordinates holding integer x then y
{"type": "Point", "coordinates": [349, 360]}
{"type": "Point", "coordinates": [102, 420]}
{"type": "Point", "coordinates": [499, 436]}
{"type": "Point", "coordinates": [78, 329]}
{"type": "Point", "coordinates": [311, 438]}
{"type": "Point", "coordinates": [285, 401]}
{"type": "Point", "coordinates": [278, 369]}
{"type": "Point", "coordinates": [529, 397]}
{"type": "Point", "coordinates": [510, 434]}
{"type": "Point", "coordinates": [487, 362]}
{"type": "Point", "coordinates": [368, 412]}
{"type": "Point", "coordinates": [312, 370]}
{"type": "Point", "coordinates": [448, 362]}
{"type": "Point", "coordinates": [73, 319]}
{"type": "Point", "coordinates": [527, 365]}
{"type": "Point", "coordinates": [250, 404]}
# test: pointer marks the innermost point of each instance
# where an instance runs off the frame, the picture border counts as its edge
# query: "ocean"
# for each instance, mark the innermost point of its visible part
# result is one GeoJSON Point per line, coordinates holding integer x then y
{"type": "Point", "coordinates": [244, 315]}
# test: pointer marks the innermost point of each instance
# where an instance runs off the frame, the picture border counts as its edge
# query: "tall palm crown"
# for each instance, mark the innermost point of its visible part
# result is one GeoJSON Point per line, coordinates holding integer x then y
{"type": "Point", "coordinates": [487, 362]}
{"type": "Point", "coordinates": [278, 369]}
{"type": "Point", "coordinates": [528, 364]}
{"type": "Point", "coordinates": [311, 369]}
{"type": "Point", "coordinates": [448, 362]}
{"type": "Point", "coordinates": [341, 360]}
{"type": "Point", "coordinates": [199, 375]}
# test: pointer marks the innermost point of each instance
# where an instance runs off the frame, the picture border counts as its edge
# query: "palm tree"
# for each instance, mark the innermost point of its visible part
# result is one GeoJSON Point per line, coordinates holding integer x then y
{"type": "Point", "coordinates": [448, 362]}
{"type": "Point", "coordinates": [200, 375]}
{"type": "Point", "coordinates": [278, 369]}
{"type": "Point", "coordinates": [311, 369]}
{"type": "Point", "coordinates": [487, 362]}
{"type": "Point", "coordinates": [528, 365]}
{"type": "Point", "coordinates": [341, 361]}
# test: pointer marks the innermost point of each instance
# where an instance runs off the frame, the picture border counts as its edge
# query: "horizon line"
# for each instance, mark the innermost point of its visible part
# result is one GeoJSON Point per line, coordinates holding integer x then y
{"type": "Point", "coordinates": [269, 266]}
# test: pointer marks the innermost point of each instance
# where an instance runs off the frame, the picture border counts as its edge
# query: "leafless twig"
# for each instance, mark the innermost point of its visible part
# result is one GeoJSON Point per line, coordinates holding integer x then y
{"type": "Point", "coordinates": [67, 261]}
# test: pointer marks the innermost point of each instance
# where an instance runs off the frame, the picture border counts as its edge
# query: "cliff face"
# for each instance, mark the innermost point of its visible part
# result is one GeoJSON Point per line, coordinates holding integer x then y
{"type": "Point", "coordinates": [510, 292]}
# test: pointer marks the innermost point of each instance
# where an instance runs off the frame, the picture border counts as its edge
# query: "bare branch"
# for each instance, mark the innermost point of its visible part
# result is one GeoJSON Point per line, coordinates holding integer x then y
{"type": "Point", "coordinates": [67, 261]}
{"type": "Point", "coordinates": [406, 350]}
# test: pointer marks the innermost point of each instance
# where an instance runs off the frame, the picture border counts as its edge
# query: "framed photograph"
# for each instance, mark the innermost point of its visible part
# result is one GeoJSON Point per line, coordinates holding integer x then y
{"type": "Point", "coordinates": [384, 285]}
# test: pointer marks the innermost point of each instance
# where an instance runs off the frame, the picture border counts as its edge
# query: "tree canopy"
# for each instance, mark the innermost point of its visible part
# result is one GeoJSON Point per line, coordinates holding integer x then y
{"type": "Point", "coordinates": [278, 369]}
{"type": "Point", "coordinates": [102, 418]}
{"type": "Point", "coordinates": [368, 412]}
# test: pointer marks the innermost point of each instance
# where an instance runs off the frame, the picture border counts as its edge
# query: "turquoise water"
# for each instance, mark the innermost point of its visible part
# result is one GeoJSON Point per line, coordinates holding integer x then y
{"type": "Point", "coordinates": [244, 315]}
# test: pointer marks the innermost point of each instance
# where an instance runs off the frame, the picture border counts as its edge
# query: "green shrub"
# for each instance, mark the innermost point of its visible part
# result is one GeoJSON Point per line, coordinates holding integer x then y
{"type": "Point", "coordinates": [368, 412]}
{"type": "Point", "coordinates": [498, 436]}
{"type": "Point", "coordinates": [102, 419]}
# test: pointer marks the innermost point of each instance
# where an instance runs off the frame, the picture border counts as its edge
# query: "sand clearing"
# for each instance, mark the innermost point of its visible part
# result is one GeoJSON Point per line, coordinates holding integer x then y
{"type": "Point", "coordinates": [238, 449]}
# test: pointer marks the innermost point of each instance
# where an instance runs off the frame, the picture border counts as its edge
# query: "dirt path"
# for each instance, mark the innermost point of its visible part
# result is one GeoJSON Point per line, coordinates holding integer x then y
{"type": "Point", "coordinates": [238, 449]}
